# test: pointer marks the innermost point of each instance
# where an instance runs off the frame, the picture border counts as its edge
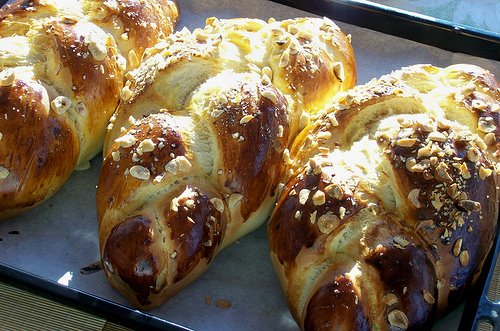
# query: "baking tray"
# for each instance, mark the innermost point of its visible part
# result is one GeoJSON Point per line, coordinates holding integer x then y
{"type": "Point", "coordinates": [47, 249]}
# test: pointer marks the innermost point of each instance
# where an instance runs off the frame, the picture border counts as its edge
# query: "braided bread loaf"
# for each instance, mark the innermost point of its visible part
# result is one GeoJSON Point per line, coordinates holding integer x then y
{"type": "Point", "coordinates": [194, 155]}
{"type": "Point", "coordinates": [62, 66]}
{"type": "Point", "coordinates": [393, 204]}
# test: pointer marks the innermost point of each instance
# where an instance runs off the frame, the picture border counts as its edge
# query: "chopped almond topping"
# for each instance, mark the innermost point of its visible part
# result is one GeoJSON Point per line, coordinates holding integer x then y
{"type": "Point", "coordinates": [312, 217]}
{"type": "Point", "coordinates": [218, 204]}
{"type": "Point", "coordinates": [413, 197]}
{"type": "Point", "coordinates": [115, 155]}
{"type": "Point", "coordinates": [470, 205]}
{"type": "Point", "coordinates": [457, 247]}
{"type": "Point", "coordinates": [338, 71]}
{"type": "Point", "coordinates": [437, 136]}
{"type": "Point", "coordinates": [490, 139]}
{"type": "Point", "coordinates": [247, 118]}
{"type": "Point", "coordinates": [484, 172]}
{"type": "Point", "coordinates": [318, 198]}
{"type": "Point", "coordinates": [126, 93]}
{"type": "Point", "coordinates": [328, 222]}
{"type": "Point", "coordinates": [390, 299]}
{"type": "Point", "coordinates": [285, 59]}
{"type": "Point", "coordinates": [304, 195]}
{"type": "Point", "coordinates": [324, 135]}
{"type": "Point", "coordinates": [428, 297]}
{"type": "Point", "coordinates": [7, 77]}
{"type": "Point", "coordinates": [270, 95]}
{"type": "Point", "coordinates": [464, 258]}
{"type": "Point", "coordinates": [4, 172]}
{"type": "Point", "coordinates": [60, 104]}
{"type": "Point", "coordinates": [147, 145]}
{"type": "Point", "coordinates": [280, 131]}
{"type": "Point", "coordinates": [486, 124]}
{"type": "Point", "coordinates": [398, 319]}
{"type": "Point", "coordinates": [400, 241]}
{"type": "Point", "coordinates": [406, 142]}
{"type": "Point", "coordinates": [133, 60]}
{"type": "Point", "coordinates": [140, 172]}
{"type": "Point", "coordinates": [126, 140]}
{"type": "Point", "coordinates": [286, 156]}
{"type": "Point", "coordinates": [304, 120]}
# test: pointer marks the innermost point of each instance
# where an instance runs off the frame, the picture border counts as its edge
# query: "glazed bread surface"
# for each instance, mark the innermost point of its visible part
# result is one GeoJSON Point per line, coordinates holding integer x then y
{"type": "Point", "coordinates": [194, 154]}
{"type": "Point", "coordinates": [392, 205]}
{"type": "Point", "coordinates": [62, 66]}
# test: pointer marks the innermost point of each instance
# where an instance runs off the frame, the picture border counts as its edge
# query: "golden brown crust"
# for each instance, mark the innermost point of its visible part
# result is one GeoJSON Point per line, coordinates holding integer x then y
{"type": "Point", "coordinates": [62, 67]}
{"type": "Point", "coordinates": [392, 201]}
{"type": "Point", "coordinates": [198, 143]}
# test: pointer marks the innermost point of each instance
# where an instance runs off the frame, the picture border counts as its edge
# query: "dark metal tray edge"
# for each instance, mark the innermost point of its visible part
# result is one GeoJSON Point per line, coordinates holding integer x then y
{"type": "Point", "coordinates": [408, 25]}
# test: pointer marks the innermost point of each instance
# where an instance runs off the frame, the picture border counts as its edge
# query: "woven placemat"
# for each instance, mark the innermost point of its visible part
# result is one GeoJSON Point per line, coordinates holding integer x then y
{"type": "Point", "coordinates": [21, 310]}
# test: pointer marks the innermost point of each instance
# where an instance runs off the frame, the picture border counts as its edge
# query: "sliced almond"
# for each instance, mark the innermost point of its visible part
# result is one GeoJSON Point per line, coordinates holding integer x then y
{"type": "Point", "coordinates": [457, 247]}
{"type": "Point", "coordinates": [464, 258]}
{"type": "Point", "coordinates": [328, 222]}
{"type": "Point", "coordinates": [413, 196]}
{"type": "Point", "coordinates": [218, 204]}
{"type": "Point", "coordinates": [7, 77]}
{"type": "Point", "coordinates": [247, 118]}
{"type": "Point", "coordinates": [428, 297]}
{"type": "Point", "coordinates": [4, 172]}
{"type": "Point", "coordinates": [140, 172]}
{"type": "Point", "coordinates": [398, 319]}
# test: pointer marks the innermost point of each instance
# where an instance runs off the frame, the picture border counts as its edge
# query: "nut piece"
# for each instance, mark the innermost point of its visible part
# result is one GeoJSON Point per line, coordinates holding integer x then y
{"type": "Point", "coordinates": [126, 93]}
{"type": "Point", "coordinates": [318, 198]}
{"type": "Point", "coordinates": [7, 77]}
{"type": "Point", "coordinates": [464, 258]}
{"type": "Point", "coordinates": [484, 172]}
{"type": "Point", "coordinates": [60, 104]}
{"type": "Point", "coordinates": [140, 172]}
{"type": "Point", "coordinates": [437, 136]}
{"type": "Point", "coordinates": [398, 319]}
{"type": "Point", "coordinates": [304, 195]}
{"type": "Point", "coordinates": [428, 297]}
{"type": "Point", "coordinates": [335, 191]}
{"type": "Point", "coordinates": [486, 124]}
{"type": "Point", "coordinates": [400, 241]}
{"type": "Point", "coordinates": [304, 120]}
{"type": "Point", "coordinates": [116, 156]}
{"type": "Point", "coordinates": [413, 197]}
{"type": "Point", "coordinates": [406, 142]}
{"type": "Point", "coordinates": [218, 204]}
{"type": "Point", "coordinates": [180, 163]}
{"type": "Point", "coordinates": [328, 222]}
{"type": "Point", "coordinates": [390, 299]}
{"type": "Point", "coordinates": [126, 140]}
{"type": "Point", "coordinates": [133, 60]}
{"type": "Point", "coordinates": [247, 118]}
{"type": "Point", "coordinates": [270, 95]}
{"type": "Point", "coordinates": [457, 247]}
{"type": "Point", "coordinates": [338, 71]}
{"type": "Point", "coordinates": [4, 172]}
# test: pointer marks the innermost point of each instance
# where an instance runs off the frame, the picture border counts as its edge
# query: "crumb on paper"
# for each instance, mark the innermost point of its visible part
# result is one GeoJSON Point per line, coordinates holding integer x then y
{"type": "Point", "coordinates": [208, 299]}
{"type": "Point", "coordinates": [222, 303]}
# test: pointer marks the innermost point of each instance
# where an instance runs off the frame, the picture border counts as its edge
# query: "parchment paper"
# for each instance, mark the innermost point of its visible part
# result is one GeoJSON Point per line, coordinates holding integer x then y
{"type": "Point", "coordinates": [58, 238]}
